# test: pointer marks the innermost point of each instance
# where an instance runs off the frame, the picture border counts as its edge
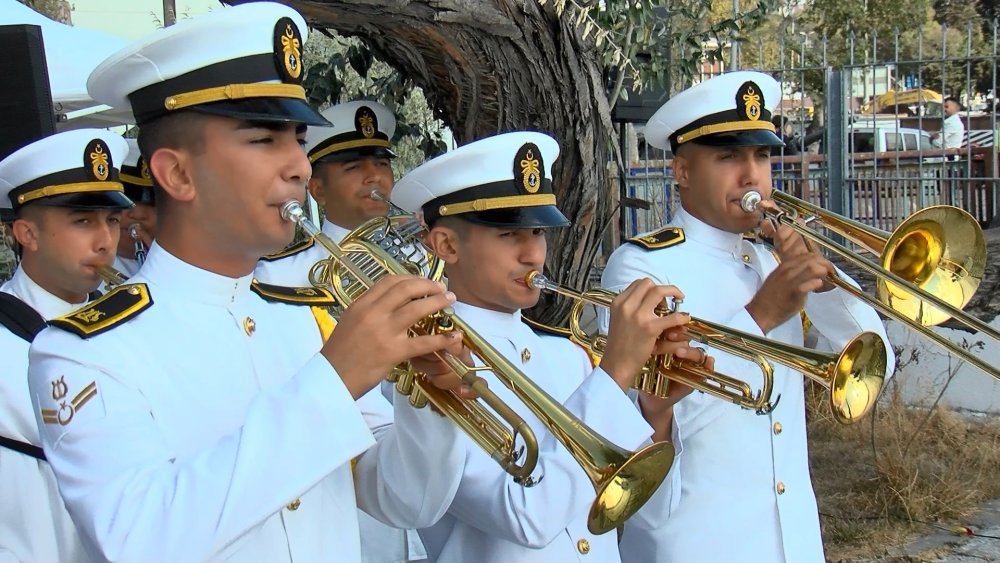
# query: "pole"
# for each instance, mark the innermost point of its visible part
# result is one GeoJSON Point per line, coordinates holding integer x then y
{"type": "Point", "coordinates": [169, 13]}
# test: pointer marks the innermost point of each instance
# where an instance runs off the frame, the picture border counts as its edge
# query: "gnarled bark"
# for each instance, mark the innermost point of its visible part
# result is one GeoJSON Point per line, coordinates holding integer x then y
{"type": "Point", "coordinates": [491, 66]}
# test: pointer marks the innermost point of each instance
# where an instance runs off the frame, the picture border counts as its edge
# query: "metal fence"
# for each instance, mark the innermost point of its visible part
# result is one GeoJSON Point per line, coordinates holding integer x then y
{"type": "Point", "coordinates": [861, 122]}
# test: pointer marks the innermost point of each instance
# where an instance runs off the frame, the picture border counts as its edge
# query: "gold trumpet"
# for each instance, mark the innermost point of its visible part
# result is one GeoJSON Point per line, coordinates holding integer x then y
{"type": "Point", "coordinates": [932, 263]}
{"type": "Point", "coordinates": [854, 376]}
{"type": "Point", "coordinates": [111, 276]}
{"type": "Point", "coordinates": [624, 480]}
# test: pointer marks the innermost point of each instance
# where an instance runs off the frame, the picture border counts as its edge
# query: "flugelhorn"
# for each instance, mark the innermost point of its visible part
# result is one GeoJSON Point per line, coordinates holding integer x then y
{"type": "Point", "coordinates": [398, 234]}
{"type": "Point", "coordinates": [932, 263]}
{"type": "Point", "coordinates": [854, 376]}
{"type": "Point", "coordinates": [624, 480]}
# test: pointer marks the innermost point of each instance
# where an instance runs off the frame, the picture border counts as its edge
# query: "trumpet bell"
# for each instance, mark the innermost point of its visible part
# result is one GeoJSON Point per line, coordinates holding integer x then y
{"type": "Point", "coordinates": [939, 249]}
{"type": "Point", "coordinates": [629, 483]}
{"type": "Point", "coordinates": [857, 377]}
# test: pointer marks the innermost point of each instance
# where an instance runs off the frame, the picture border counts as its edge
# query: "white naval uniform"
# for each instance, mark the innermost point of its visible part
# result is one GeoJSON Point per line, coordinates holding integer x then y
{"type": "Point", "coordinates": [217, 431]}
{"type": "Point", "coordinates": [34, 524]}
{"type": "Point", "coordinates": [127, 266]}
{"type": "Point", "coordinates": [293, 270]}
{"type": "Point", "coordinates": [379, 543]}
{"type": "Point", "coordinates": [493, 519]}
{"type": "Point", "coordinates": [734, 461]}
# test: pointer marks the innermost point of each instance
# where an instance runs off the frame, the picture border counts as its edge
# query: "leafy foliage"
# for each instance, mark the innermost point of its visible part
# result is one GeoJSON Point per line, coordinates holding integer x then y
{"type": "Point", "coordinates": [347, 70]}
{"type": "Point", "coordinates": [659, 43]}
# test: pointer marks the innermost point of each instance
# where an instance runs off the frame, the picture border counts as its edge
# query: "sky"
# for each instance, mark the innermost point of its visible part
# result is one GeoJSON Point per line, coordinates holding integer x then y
{"type": "Point", "coordinates": [131, 19]}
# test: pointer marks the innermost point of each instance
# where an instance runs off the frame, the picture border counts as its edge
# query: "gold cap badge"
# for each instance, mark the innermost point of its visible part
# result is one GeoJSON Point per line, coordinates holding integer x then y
{"type": "Point", "coordinates": [97, 160]}
{"type": "Point", "coordinates": [749, 101]}
{"type": "Point", "coordinates": [366, 122]}
{"type": "Point", "coordinates": [288, 50]}
{"type": "Point", "coordinates": [528, 168]}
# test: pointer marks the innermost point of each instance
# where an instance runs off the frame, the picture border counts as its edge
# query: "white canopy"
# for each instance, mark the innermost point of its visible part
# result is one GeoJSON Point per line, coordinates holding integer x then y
{"type": "Point", "coordinates": [71, 53]}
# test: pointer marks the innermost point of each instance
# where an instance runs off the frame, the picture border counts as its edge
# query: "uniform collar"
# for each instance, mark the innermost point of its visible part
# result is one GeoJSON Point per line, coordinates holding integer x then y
{"type": "Point", "coordinates": [334, 231]}
{"type": "Point", "coordinates": [697, 230]}
{"type": "Point", "coordinates": [166, 271]}
{"type": "Point", "coordinates": [487, 319]}
{"type": "Point", "coordinates": [46, 304]}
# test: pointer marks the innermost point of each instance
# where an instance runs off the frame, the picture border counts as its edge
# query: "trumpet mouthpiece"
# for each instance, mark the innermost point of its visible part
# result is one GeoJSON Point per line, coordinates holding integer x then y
{"type": "Point", "coordinates": [536, 280]}
{"type": "Point", "coordinates": [750, 201]}
{"type": "Point", "coordinates": [291, 211]}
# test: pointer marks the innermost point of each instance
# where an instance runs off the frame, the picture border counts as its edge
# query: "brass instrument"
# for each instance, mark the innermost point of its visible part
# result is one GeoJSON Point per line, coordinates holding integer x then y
{"type": "Point", "coordinates": [138, 246]}
{"type": "Point", "coordinates": [398, 234]}
{"type": "Point", "coordinates": [624, 480]}
{"type": "Point", "coordinates": [111, 276]}
{"type": "Point", "coordinates": [854, 376]}
{"type": "Point", "coordinates": [931, 264]}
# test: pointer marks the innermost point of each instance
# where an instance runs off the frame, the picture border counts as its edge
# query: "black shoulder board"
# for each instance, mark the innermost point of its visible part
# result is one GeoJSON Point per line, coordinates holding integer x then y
{"type": "Point", "coordinates": [667, 236]}
{"type": "Point", "coordinates": [117, 306]}
{"type": "Point", "coordinates": [294, 295]}
{"type": "Point", "coordinates": [19, 317]}
{"type": "Point", "coordinates": [546, 329]}
{"type": "Point", "coordinates": [296, 248]}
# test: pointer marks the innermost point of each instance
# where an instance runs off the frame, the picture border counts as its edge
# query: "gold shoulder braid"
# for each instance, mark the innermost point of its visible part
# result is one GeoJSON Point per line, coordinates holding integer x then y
{"type": "Point", "coordinates": [561, 333]}
{"type": "Point", "coordinates": [294, 295]}
{"type": "Point", "coordinates": [296, 248]}
{"type": "Point", "coordinates": [663, 238]}
{"type": "Point", "coordinates": [114, 308]}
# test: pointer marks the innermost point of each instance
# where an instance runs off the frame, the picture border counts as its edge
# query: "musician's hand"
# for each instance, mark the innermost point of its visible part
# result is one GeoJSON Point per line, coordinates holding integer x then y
{"type": "Point", "coordinates": [659, 412]}
{"type": "Point", "coordinates": [784, 292]}
{"type": "Point", "coordinates": [636, 330]}
{"type": "Point", "coordinates": [440, 374]}
{"type": "Point", "coordinates": [373, 333]}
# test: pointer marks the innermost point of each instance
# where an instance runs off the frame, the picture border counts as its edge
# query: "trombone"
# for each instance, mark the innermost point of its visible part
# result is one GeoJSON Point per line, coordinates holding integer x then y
{"type": "Point", "coordinates": [854, 376]}
{"type": "Point", "coordinates": [624, 480]}
{"type": "Point", "coordinates": [932, 263]}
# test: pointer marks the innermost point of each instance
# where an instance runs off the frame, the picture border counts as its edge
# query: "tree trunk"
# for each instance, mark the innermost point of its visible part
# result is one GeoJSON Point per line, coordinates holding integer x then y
{"type": "Point", "coordinates": [492, 66]}
{"type": "Point", "coordinates": [58, 10]}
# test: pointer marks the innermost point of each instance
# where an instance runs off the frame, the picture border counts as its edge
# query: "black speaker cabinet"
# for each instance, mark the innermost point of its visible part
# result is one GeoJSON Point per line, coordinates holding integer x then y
{"type": "Point", "coordinates": [26, 113]}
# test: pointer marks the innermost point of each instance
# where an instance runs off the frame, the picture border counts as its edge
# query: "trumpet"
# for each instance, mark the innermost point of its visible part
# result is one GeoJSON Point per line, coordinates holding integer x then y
{"type": "Point", "coordinates": [624, 480]}
{"type": "Point", "coordinates": [111, 276]}
{"type": "Point", "coordinates": [853, 377]}
{"type": "Point", "coordinates": [932, 263]}
{"type": "Point", "coordinates": [138, 246]}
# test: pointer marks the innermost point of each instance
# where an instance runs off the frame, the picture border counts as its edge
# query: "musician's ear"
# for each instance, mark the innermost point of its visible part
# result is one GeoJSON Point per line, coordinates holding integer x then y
{"type": "Point", "coordinates": [443, 238]}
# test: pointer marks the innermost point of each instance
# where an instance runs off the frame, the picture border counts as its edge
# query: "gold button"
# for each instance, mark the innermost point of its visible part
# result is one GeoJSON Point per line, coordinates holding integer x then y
{"type": "Point", "coordinates": [133, 290]}
{"type": "Point", "coordinates": [746, 258]}
{"type": "Point", "coordinates": [525, 355]}
{"type": "Point", "coordinates": [777, 428]}
{"type": "Point", "coordinates": [583, 546]}
{"type": "Point", "coordinates": [294, 505]}
{"type": "Point", "coordinates": [249, 326]}
{"type": "Point", "coordinates": [780, 488]}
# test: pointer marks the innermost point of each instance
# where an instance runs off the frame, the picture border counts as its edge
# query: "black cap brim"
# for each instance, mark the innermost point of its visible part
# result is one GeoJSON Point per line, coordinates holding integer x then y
{"type": "Point", "coordinates": [754, 138]}
{"type": "Point", "coordinates": [519, 217]}
{"type": "Point", "coordinates": [278, 110]}
{"type": "Point", "coordinates": [140, 194]}
{"type": "Point", "coordinates": [90, 200]}
{"type": "Point", "coordinates": [357, 154]}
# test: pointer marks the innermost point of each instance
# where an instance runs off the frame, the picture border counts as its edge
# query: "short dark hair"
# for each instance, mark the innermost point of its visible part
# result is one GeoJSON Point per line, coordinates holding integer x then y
{"type": "Point", "coordinates": [455, 223]}
{"type": "Point", "coordinates": [183, 129]}
{"type": "Point", "coordinates": [953, 99]}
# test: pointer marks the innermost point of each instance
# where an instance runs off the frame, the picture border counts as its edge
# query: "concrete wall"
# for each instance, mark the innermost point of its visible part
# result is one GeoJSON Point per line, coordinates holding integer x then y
{"type": "Point", "coordinates": [923, 370]}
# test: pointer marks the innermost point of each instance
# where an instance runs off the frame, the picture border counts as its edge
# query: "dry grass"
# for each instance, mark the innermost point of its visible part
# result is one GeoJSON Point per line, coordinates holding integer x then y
{"type": "Point", "coordinates": [875, 492]}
